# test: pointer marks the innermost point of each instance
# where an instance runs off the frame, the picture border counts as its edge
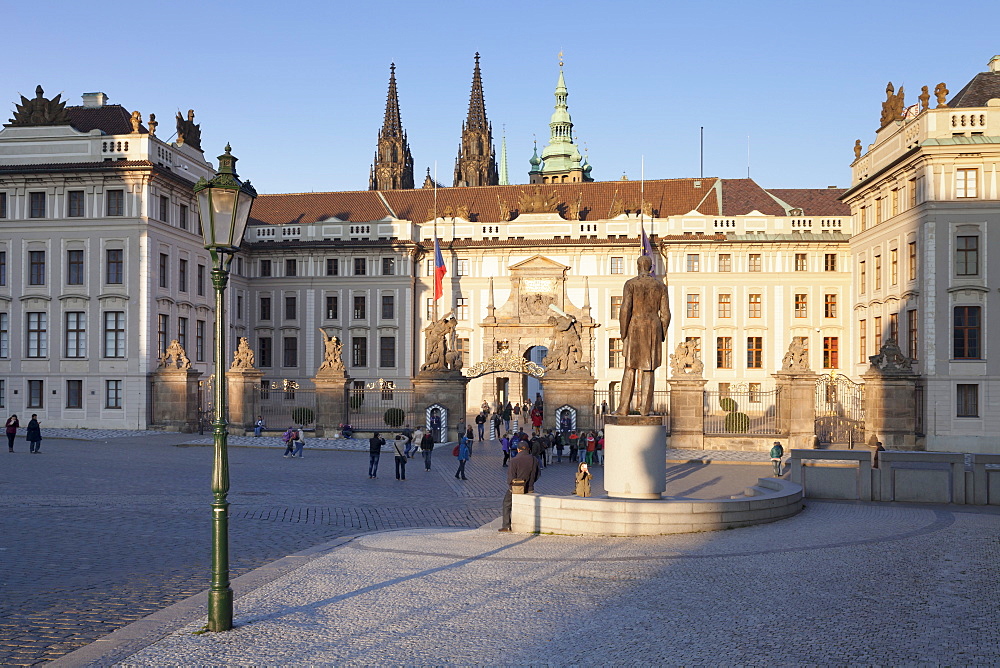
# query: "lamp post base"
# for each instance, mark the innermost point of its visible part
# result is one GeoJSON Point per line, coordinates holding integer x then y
{"type": "Point", "coordinates": [220, 610]}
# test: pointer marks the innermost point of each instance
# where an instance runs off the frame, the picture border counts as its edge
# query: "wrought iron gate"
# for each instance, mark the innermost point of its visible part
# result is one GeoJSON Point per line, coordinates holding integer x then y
{"type": "Point", "coordinates": [840, 411]}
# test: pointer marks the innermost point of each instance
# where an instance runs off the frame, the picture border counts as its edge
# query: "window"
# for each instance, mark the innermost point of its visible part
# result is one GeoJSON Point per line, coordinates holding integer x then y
{"type": "Point", "coordinates": [162, 332]}
{"type": "Point", "coordinates": [359, 351]}
{"type": "Point", "coordinates": [724, 352]}
{"type": "Point", "coordinates": [617, 265]}
{"type": "Point", "coordinates": [4, 335]}
{"type": "Point", "coordinates": [911, 333]}
{"type": "Point", "coordinates": [182, 276]}
{"type": "Point", "coordinates": [965, 182]}
{"type": "Point", "coordinates": [616, 353]}
{"type": "Point", "coordinates": [332, 266]}
{"type": "Point", "coordinates": [76, 334]}
{"type": "Point", "coordinates": [894, 326]}
{"type": "Point", "coordinates": [114, 203]}
{"type": "Point", "coordinates": [430, 267]}
{"type": "Point", "coordinates": [265, 308]}
{"type": "Point", "coordinates": [877, 327]}
{"type": "Point", "coordinates": [461, 267]}
{"type": "Point", "coordinates": [894, 199]}
{"type": "Point", "coordinates": [387, 351]}
{"type": "Point", "coordinates": [265, 267]}
{"type": "Point", "coordinates": [616, 307]}
{"type": "Point", "coordinates": [112, 394]}
{"type": "Point", "coordinates": [830, 262]}
{"type": "Point", "coordinates": [264, 350]}
{"type": "Point", "coordinates": [164, 270]}
{"type": "Point", "coordinates": [291, 267]}
{"type": "Point", "coordinates": [877, 271]}
{"type": "Point", "coordinates": [831, 353]}
{"type": "Point", "coordinates": [967, 333]}
{"type": "Point", "coordinates": [800, 262]}
{"type": "Point", "coordinates": [754, 306]}
{"type": "Point", "coordinates": [830, 305]}
{"type": "Point", "coordinates": [182, 332]}
{"type": "Point", "coordinates": [36, 267]}
{"type": "Point", "coordinates": [114, 334]}
{"type": "Point", "coordinates": [878, 210]}
{"type": "Point", "coordinates": [693, 306]}
{"type": "Point", "coordinates": [36, 393]}
{"type": "Point", "coordinates": [200, 279]}
{"type": "Point", "coordinates": [332, 307]}
{"type": "Point", "coordinates": [3, 205]}
{"type": "Point", "coordinates": [3, 393]}
{"type": "Point", "coordinates": [361, 267]}
{"type": "Point", "coordinates": [725, 262]}
{"type": "Point", "coordinates": [462, 346]}
{"type": "Point", "coordinates": [755, 263]}
{"type": "Point", "coordinates": [755, 352]}
{"type": "Point", "coordinates": [693, 262]}
{"type": "Point", "coordinates": [388, 307]}
{"type": "Point", "coordinates": [801, 305]}
{"type": "Point", "coordinates": [290, 353]}
{"type": "Point", "coordinates": [431, 308]}
{"type": "Point", "coordinates": [3, 267]}
{"type": "Point", "coordinates": [74, 394]}
{"type": "Point", "coordinates": [239, 307]}
{"type": "Point", "coordinates": [862, 278]}
{"type": "Point", "coordinates": [38, 334]}
{"type": "Point", "coordinates": [164, 208]}
{"type": "Point", "coordinates": [36, 205]}
{"type": "Point", "coordinates": [725, 306]}
{"type": "Point", "coordinates": [462, 308]}
{"type": "Point", "coordinates": [75, 204]}
{"type": "Point", "coordinates": [360, 307]}
{"type": "Point", "coordinates": [912, 251]}
{"type": "Point", "coordinates": [862, 341]}
{"type": "Point", "coordinates": [967, 400]}
{"type": "Point", "coordinates": [967, 256]}
{"type": "Point", "coordinates": [74, 267]}
{"type": "Point", "coordinates": [290, 307]}
{"type": "Point", "coordinates": [893, 267]}
{"type": "Point", "coordinates": [199, 340]}
{"type": "Point", "coordinates": [182, 221]}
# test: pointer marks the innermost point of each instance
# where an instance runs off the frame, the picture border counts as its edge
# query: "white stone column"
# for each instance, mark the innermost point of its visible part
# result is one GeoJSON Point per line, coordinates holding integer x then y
{"type": "Point", "coordinates": [635, 456]}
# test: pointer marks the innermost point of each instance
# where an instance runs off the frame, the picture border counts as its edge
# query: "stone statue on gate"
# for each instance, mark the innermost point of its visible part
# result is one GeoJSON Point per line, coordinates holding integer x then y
{"type": "Point", "coordinates": [566, 351]}
{"type": "Point", "coordinates": [440, 342]}
{"type": "Point", "coordinates": [333, 351]}
{"type": "Point", "coordinates": [685, 361]}
{"type": "Point", "coordinates": [643, 319]}
{"type": "Point", "coordinates": [175, 357]}
{"type": "Point", "coordinates": [243, 356]}
{"type": "Point", "coordinates": [891, 359]}
{"type": "Point", "coordinates": [797, 357]}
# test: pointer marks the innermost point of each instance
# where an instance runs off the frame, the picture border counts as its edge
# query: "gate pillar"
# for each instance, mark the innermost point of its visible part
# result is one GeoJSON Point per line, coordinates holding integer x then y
{"type": "Point", "coordinates": [890, 399]}
{"type": "Point", "coordinates": [446, 388]}
{"type": "Point", "coordinates": [687, 413]}
{"type": "Point", "coordinates": [242, 386]}
{"type": "Point", "coordinates": [331, 400]}
{"type": "Point", "coordinates": [175, 399]}
{"type": "Point", "coordinates": [797, 407]}
{"type": "Point", "coordinates": [567, 389]}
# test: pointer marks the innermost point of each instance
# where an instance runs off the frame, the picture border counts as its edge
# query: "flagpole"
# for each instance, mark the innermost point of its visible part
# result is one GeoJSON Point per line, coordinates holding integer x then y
{"type": "Point", "coordinates": [435, 234]}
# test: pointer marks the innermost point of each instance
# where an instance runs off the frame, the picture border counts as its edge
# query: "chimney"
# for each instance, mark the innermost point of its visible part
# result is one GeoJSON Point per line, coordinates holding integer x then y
{"type": "Point", "coordinates": [94, 99]}
{"type": "Point", "coordinates": [994, 64]}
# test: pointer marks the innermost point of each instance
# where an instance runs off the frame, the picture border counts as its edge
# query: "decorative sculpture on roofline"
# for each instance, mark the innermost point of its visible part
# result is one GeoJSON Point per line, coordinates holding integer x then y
{"type": "Point", "coordinates": [535, 201]}
{"type": "Point", "coordinates": [333, 351]}
{"type": "Point", "coordinates": [40, 111]}
{"type": "Point", "coordinates": [175, 357]}
{"type": "Point", "coordinates": [188, 132]}
{"type": "Point", "coordinates": [941, 93]}
{"type": "Point", "coordinates": [152, 125]}
{"type": "Point", "coordinates": [893, 107]}
{"type": "Point", "coordinates": [242, 356]}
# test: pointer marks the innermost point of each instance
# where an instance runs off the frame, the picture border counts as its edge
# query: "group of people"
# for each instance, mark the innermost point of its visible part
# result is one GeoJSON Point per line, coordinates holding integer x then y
{"type": "Point", "coordinates": [577, 446]}
{"type": "Point", "coordinates": [33, 433]}
{"type": "Point", "coordinates": [510, 416]}
{"type": "Point", "coordinates": [405, 446]}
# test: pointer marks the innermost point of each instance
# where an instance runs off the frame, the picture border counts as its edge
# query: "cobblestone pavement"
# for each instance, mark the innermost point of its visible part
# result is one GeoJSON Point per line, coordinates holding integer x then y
{"type": "Point", "coordinates": [100, 531]}
{"type": "Point", "coordinates": [840, 584]}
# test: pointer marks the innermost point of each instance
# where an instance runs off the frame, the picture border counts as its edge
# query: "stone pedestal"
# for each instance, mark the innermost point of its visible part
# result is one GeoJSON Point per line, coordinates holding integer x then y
{"type": "Point", "coordinates": [687, 413]}
{"type": "Point", "coordinates": [175, 399]}
{"type": "Point", "coordinates": [445, 389]}
{"type": "Point", "coordinates": [576, 390]}
{"type": "Point", "coordinates": [635, 456]}
{"type": "Point", "coordinates": [242, 386]}
{"type": "Point", "coordinates": [331, 401]}
{"type": "Point", "coordinates": [891, 410]}
{"type": "Point", "coordinates": [797, 407]}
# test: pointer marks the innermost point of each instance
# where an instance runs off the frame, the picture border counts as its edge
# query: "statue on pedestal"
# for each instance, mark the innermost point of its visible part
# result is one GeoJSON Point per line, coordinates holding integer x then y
{"type": "Point", "coordinates": [891, 359]}
{"type": "Point", "coordinates": [242, 356]}
{"type": "Point", "coordinates": [644, 318]}
{"type": "Point", "coordinates": [333, 351]}
{"type": "Point", "coordinates": [441, 345]}
{"type": "Point", "coordinates": [175, 357]}
{"type": "Point", "coordinates": [566, 351]}
{"type": "Point", "coordinates": [797, 357]}
{"type": "Point", "coordinates": [685, 362]}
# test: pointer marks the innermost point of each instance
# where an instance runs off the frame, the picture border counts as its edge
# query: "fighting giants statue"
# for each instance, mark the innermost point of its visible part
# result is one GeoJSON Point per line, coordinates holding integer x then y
{"type": "Point", "coordinates": [644, 318]}
{"type": "Point", "coordinates": [442, 351]}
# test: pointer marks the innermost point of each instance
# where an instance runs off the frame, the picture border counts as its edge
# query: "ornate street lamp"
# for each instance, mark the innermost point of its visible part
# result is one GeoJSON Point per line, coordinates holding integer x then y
{"type": "Point", "coordinates": [223, 208]}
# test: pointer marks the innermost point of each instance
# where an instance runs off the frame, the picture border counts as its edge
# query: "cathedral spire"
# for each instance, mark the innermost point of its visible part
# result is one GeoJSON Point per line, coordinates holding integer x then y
{"type": "Point", "coordinates": [393, 166]}
{"type": "Point", "coordinates": [476, 164]}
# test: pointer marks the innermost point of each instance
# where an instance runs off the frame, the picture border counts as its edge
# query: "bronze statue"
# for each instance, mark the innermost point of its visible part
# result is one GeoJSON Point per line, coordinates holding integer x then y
{"type": "Point", "coordinates": [644, 318]}
{"type": "Point", "coordinates": [941, 92]}
{"type": "Point", "coordinates": [332, 353]}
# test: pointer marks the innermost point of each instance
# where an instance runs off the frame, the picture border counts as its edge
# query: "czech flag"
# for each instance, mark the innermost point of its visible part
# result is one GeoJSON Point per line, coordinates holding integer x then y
{"type": "Point", "coordinates": [647, 249]}
{"type": "Point", "coordinates": [439, 270]}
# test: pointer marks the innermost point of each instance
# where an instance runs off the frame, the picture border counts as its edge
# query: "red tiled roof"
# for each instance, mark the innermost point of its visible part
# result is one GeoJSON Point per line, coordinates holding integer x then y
{"type": "Point", "coordinates": [111, 119]}
{"type": "Point", "coordinates": [814, 201]}
{"type": "Point", "coordinates": [488, 204]}
{"type": "Point", "coordinates": [741, 196]}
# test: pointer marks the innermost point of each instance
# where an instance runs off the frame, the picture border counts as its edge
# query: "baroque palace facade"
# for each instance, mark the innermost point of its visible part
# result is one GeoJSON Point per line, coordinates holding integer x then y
{"type": "Point", "coordinates": [88, 306]}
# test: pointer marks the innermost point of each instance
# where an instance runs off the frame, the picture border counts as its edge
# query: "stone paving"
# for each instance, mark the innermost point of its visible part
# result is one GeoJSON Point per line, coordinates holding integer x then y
{"type": "Point", "coordinates": [840, 584]}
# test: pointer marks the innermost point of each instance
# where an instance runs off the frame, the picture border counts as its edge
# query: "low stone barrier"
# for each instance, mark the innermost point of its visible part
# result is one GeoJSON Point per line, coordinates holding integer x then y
{"type": "Point", "coordinates": [769, 500]}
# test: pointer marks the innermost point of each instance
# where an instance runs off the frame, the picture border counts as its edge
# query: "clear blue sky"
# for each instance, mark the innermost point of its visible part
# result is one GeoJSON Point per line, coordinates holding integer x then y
{"type": "Point", "coordinates": [299, 88]}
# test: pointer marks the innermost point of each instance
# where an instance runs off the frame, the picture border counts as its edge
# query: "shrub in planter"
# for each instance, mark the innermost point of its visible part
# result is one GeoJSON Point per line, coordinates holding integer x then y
{"type": "Point", "coordinates": [303, 415]}
{"type": "Point", "coordinates": [394, 417]}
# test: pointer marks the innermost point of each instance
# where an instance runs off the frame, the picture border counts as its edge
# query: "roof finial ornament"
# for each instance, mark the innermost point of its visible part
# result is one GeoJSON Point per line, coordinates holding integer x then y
{"type": "Point", "coordinates": [560, 59]}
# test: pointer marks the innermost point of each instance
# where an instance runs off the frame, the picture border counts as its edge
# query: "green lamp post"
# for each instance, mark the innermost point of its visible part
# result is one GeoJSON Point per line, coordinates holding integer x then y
{"type": "Point", "coordinates": [223, 208]}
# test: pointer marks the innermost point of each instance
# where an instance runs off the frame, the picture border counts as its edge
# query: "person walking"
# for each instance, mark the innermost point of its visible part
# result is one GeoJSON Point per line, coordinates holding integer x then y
{"type": "Point", "coordinates": [12, 426]}
{"type": "Point", "coordinates": [375, 444]}
{"type": "Point", "coordinates": [776, 453]}
{"type": "Point", "coordinates": [464, 452]}
{"type": "Point", "coordinates": [299, 442]}
{"type": "Point", "coordinates": [34, 434]}
{"type": "Point", "coordinates": [522, 474]}
{"type": "Point", "coordinates": [574, 445]}
{"type": "Point", "coordinates": [505, 447]}
{"type": "Point", "coordinates": [481, 425]}
{"type": "Point", "coordinates": [288, 438]}
{"type": "Point", "coordinates": [599, 452]}
{"type": "Point", "coordinates": [427, 448]}
{"type": "Point", "coordinates": [583, 476]}
{"type": "Point", "coordinates": [415, 440]}
{"type": "Point", "coordinates": [591, 448]}
{"type": "Point", "coordinates": [400, 458]}
{"type": "Point", "coordinates": [505, 415]}
{"type": "Point", "coordinates": [258, 426]}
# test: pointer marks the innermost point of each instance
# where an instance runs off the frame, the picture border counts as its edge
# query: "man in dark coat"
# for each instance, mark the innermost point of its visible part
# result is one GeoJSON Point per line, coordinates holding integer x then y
{"type": "Point", "coordinates": [523, 468]}
{"type": "Point", "coordinates": [375, 444]}
{"type": "Point", "coordinates": [643, 321]}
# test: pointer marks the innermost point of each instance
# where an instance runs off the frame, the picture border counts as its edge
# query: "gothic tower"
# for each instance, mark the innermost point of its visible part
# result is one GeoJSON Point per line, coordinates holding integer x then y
{"type": "Point", "coordinates": [476, 164]}
{"type": "Point", "coordinates": [393, 168]}
{"type": "Point", "coordinates": [561, 161]}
